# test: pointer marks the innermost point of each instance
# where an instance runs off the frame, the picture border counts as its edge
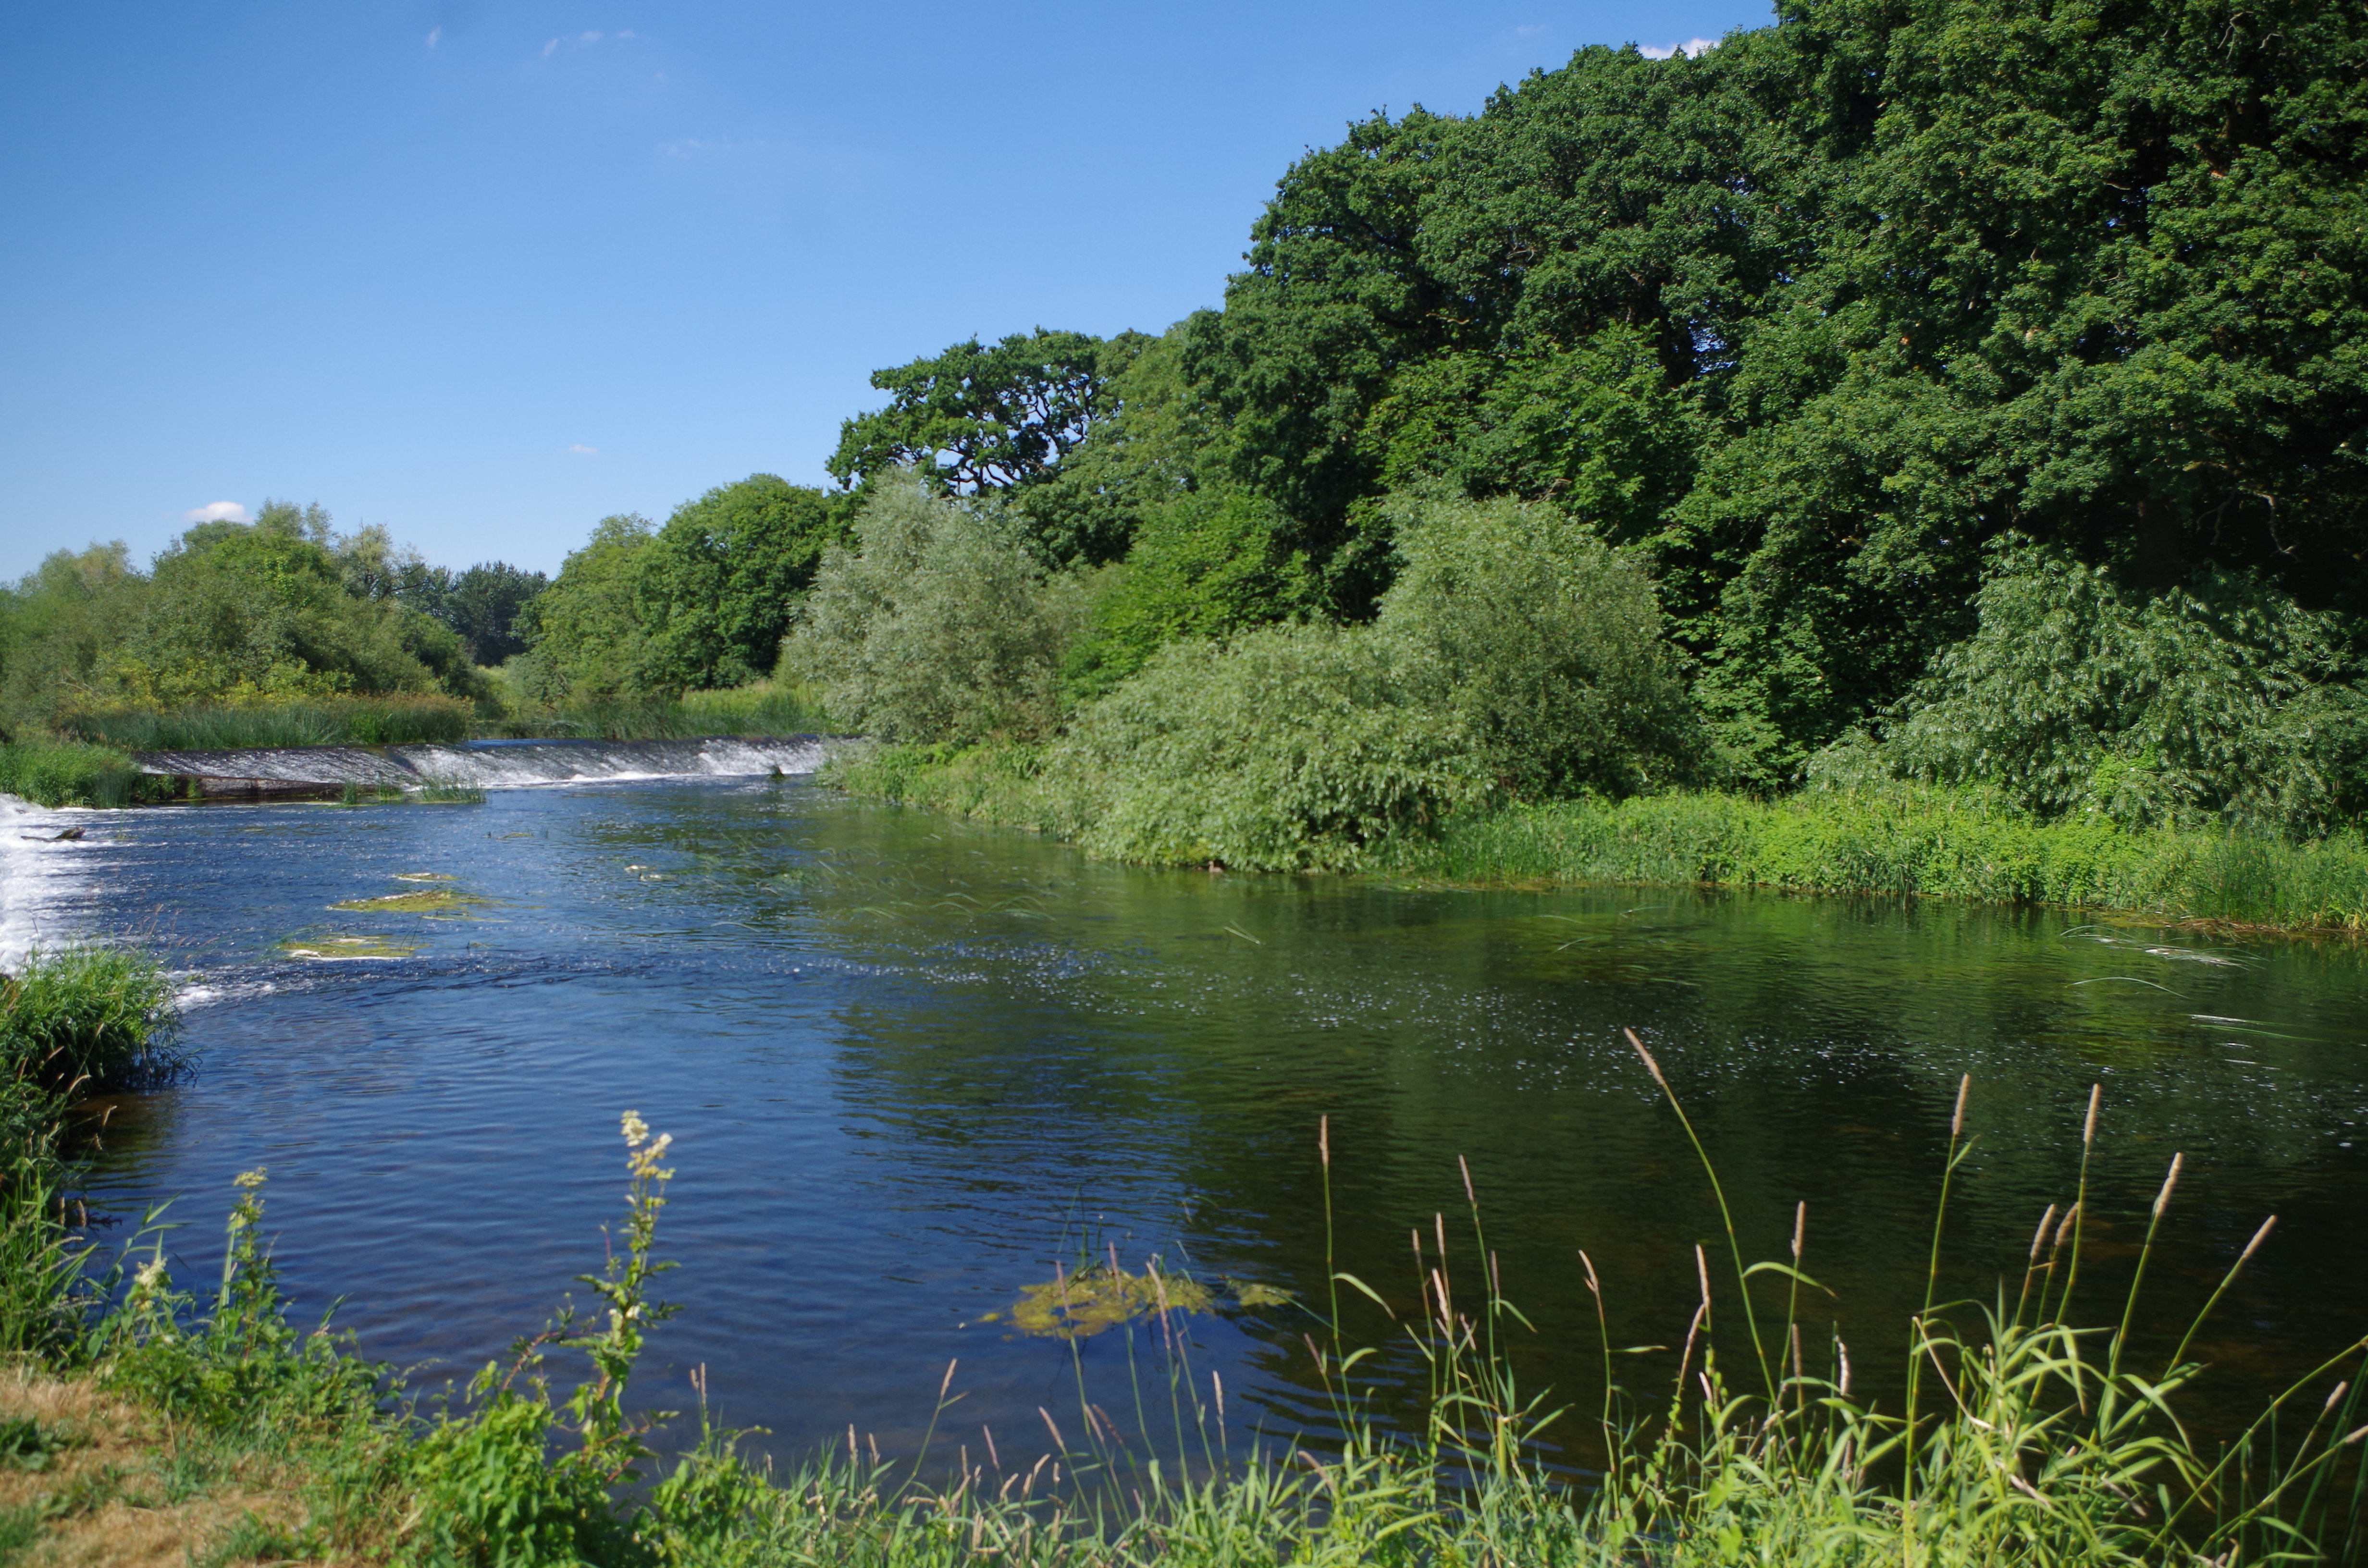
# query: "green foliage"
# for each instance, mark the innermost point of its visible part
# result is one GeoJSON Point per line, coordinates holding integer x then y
{"type": "Point", "coordinates": [719, 584]}
{"type": "Point", "coordinates": [1903, 840]}
{"type": "Point", "coordinates": [1205, 563]}
{"type": "Point", "coordinates": [70, 773]}
{"type": "Point", "coordinates": [766, 708]}
{"type": "Point", "coordinates": [1820, 312]}
{"type": "Point", "coordinates": [84, 1019]}
{"type": "Point", "coordinates": [1290, 748]}
{"type": "Point", "coordinates": [2192, 705]}
{"type": "Point", "coordinates": [942, 624]}
{"type": "Point", "coordinates": [584, 633]}
{"type": "Point", "coordinates": [328, 722]}
{"type": "Point", "coordinates": [484, 607]}
{"type": "Point", "coordinates": [1546, 644]}
{"type": "Point", "coordinates": [975, 418]}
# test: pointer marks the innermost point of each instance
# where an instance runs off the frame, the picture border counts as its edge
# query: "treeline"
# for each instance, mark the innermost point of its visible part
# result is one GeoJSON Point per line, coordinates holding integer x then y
{"type": "Point", "coordinates": [281, 609]}
{"type": "Point", "coordinates": [1967, 394]}
{"type": "Point", "coordinates": [1963, 394]}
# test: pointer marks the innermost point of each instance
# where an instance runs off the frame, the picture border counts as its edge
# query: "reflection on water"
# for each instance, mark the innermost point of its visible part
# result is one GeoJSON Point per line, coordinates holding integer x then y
{"type": "Point", "coordinates": [914, 1068]}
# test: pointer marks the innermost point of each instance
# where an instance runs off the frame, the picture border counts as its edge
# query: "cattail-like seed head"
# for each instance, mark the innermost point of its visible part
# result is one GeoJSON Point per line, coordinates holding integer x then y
{"type": "Point", "coordinates": [949, 1381]}
{"type": "Point", "coordinates": [1800, 1227]}
{"type": "Point", "coordinates": [1465, 1166]}
{"type": "Point", "coordinates": [1957, 1117]}
{"type": "Point", "coordinates": [1702, 1272]}
{"type": "Point", "coordinates": [2255, 1244]}
{"type": "Point", "coordinates": [2355, 1436]}
{"type": "Point", "coordinates": [1650, 1066]}
{"type": "Point", "coordinates": [1438, 1233]}
{"type": "Point", "coordinates": [2088, 1127]}
{"type": "Point", "coordinates": [2064, 1229]}
{"type": "Point", "coordinates": [2039, 1236]}
{"type": "Point", "coordinates": [1323, 1141]}
{"type": "Point", "coordinates": [1842, 1348]}
{"type": "Point", "coordinates": [1593, 1284]}
{"type": "Point", "coordinates": [2332, 1395]}
{"type": "Point", "coordinates": [2162, 1199]}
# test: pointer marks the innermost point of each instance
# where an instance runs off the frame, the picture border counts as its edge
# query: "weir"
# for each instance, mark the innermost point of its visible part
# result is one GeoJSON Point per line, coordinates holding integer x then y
{"type": "Point", "coordinates": [282, 772]}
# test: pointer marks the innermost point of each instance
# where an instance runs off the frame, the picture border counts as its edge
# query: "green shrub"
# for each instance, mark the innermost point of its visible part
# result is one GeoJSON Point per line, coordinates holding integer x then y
{"type": "Point", "coordinates": [69, 773]}
{"type": "Point", "coordinates": [2202, 705]}
{"type": "Point", "coordinates": [940, 625]}
{"type": "Point", "coordinates": [1546, 644]}
{"type": "Point", "coordinates": [1290, 748]}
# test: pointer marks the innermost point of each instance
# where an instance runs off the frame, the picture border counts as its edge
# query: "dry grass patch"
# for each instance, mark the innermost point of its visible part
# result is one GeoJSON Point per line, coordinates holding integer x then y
{"type": "Point", "coordinates": [92, 1480]}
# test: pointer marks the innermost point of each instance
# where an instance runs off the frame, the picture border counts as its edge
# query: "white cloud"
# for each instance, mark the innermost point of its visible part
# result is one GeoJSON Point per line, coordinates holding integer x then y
{"type": "Point", "coordinates": [550, 48]}
{"type": "Point", "coordinates": [1529, 30]}
{"type": "Point", "coordinates": [1693, 45]}
{"type": "Point", "coordinates": [215, 512]}
{"type": "Point", "coordinates": [581, 451]}
{"type": "Point", "coordinates": [587, 38]}
{"type": "Point", "coordinates": [433, 34]}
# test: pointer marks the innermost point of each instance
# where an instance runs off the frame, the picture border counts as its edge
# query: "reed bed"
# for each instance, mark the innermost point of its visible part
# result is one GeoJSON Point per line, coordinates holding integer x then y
{"type": "Point", "coordinates": [328, 722]}
{"type": "Point", "coordinates": [71, 773]}
{"type": "Point", "coordinates": [767, 709]}
{"type": "Point", "coordinates": [1927, 842]}
{"type": "Point", "coordinates": [2028, 1430]}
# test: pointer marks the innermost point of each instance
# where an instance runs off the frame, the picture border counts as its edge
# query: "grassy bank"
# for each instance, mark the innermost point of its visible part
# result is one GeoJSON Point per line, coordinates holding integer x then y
{"type": "Point", "coordinates": [204, 1424]}
{"type": "Point", "coordinates": [1934, 843]}
{"type": "Point", "coordinates": [1929, 842]}
{"type": "Point", "coordinates": [73, 772]}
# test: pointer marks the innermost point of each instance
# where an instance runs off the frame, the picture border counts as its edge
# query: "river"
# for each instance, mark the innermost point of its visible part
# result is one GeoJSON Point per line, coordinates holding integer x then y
{"type": "Point", "coordinates": [913, 1066]}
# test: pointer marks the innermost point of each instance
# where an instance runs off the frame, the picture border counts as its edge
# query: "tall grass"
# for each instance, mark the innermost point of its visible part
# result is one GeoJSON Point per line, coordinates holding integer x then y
{"type": "Point", "coordinates": [1904, 840]}
{"type": "Point", "coordinates": [73, 1022]}
{"type": "Point", "coordinates": [2021, 1436]}
{"type": "Point", "coordinates": [70, 773]}
{"type": "Point", "coordinates": [766, 708]}
{"type": "Point", "coordinates": [328, 722]}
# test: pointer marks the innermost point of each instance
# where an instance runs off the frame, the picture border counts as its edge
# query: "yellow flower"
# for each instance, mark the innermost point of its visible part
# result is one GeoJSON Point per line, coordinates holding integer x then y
{"type": "Point", "coordinates": [635, 1129]}
{"type": "Point", "coordinates": [249, 1180]}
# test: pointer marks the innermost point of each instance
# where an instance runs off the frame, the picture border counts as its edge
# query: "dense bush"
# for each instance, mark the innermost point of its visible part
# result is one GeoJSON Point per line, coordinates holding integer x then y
{"type": "Point", "coordinates": [2210, 703]}
{"type": "Point", "coordinates": [942, 624]}
{"type": "Point", "coordinates": [1288, 748]}
{"type": "Point", "coordinates": [1545, 642]}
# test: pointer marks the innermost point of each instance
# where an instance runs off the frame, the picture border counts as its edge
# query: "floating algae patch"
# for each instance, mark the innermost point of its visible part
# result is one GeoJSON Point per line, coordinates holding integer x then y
{"type": "Point", "coordinates": [1250, 1293]}
{"type": "Point", "coordinates": [1074, 1306]}
{"type": "Point", "coordinates": [427, 901]}
{"type": "Point", "coordinates": [425, 877]}
{"type": "Point", "coordinates": [348, 948]}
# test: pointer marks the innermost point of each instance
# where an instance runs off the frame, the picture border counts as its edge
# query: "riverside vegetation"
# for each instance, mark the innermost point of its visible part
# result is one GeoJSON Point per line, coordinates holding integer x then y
{"type": "Point", "coordinates": [1941, 418]}
{"type": "Point", "coordinates": [169, 1419]}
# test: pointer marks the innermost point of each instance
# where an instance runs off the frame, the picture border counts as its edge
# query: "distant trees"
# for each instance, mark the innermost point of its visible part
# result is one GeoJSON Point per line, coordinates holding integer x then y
{"type": "Point", "coordinates": [976, 418]}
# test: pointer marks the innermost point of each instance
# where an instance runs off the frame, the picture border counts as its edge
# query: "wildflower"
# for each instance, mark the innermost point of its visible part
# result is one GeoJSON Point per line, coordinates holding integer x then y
{"type": "Point", "coordinates": [148, 1275]}
{"type": "Point", "coordinates": [249, 1180]}
{"type": "Point", "coordinates": [635, 1129]}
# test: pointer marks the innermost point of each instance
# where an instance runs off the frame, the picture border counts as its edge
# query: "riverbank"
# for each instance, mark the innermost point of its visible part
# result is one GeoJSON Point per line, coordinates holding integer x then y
{"type": "Point", "coordinates": [1901, 840]}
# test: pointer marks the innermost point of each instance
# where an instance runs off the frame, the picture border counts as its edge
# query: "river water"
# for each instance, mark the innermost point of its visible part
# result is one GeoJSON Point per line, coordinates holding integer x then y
{"type": "Point", "coordinates": [913, 1066]}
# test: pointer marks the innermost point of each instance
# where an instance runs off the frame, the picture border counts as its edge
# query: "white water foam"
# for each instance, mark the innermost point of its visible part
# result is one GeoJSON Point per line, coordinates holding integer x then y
{"type": "Point", "coordinates": [37, 874]}
{"type": "Point", "coordinates": [521, 765]}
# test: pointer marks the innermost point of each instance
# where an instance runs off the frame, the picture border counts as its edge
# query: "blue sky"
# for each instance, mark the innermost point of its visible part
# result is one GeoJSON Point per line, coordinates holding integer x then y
{"type": "Point", "coordinates": [485, 273]}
